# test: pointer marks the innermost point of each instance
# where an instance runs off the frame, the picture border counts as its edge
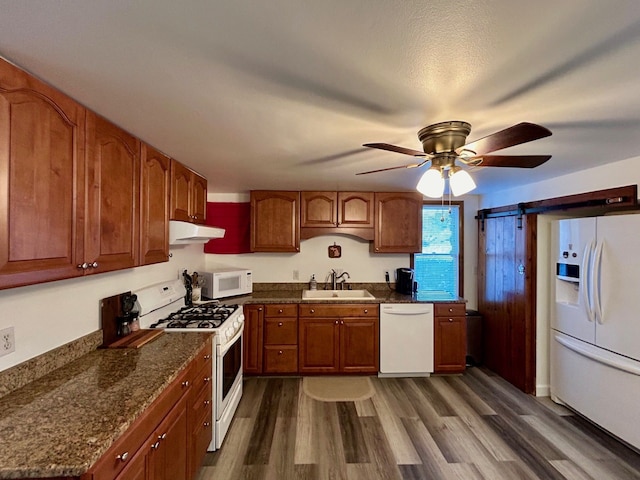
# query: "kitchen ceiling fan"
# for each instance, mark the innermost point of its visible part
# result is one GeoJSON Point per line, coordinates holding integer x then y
{"type": "Point", "coordinates": [444, 146]}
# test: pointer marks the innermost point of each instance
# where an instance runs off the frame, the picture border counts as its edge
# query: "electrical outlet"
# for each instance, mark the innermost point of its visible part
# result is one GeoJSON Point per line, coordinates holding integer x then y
{"type": "Point", "coordinates": [180, 270]}
{"type": "Point", "coordinates": [7, 341]}
{"type": "Point", "coordinates": [296, 275]}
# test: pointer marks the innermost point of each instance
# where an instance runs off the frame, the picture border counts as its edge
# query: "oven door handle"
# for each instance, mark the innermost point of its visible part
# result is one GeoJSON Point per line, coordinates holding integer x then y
{"type": "Point", "coordinates": [222, 349]}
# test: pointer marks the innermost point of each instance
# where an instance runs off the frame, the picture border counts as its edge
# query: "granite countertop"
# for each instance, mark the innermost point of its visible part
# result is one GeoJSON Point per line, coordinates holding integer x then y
{"type": "Point", "coordinates": [291, 293]}
{"type": "Point", "coordinates": [61, 424]}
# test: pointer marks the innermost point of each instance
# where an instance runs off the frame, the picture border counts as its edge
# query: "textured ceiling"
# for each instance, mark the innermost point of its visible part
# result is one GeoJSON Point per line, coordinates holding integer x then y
{"type": "Point", "coordinates": [282, 94]}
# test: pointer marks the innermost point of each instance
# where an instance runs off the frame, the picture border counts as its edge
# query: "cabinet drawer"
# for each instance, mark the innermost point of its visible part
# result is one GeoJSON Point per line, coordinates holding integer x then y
{"type": "Point", "coordinates": [281, 331]}
{"type": "Point", "coordinates": [281, 359]}
{"type": "Point", "coordinates": [201, 406]}
{"type": "Point", "coordinates": [202, 357]}
{"type": "Point", "coordinates": [202, 380]}
{"type": "Point", "coordinates": [449, 309]}
{"type": "Point", "coordinates": [333, 310]}
{"type": "Point", "coordinates": [281, 310]}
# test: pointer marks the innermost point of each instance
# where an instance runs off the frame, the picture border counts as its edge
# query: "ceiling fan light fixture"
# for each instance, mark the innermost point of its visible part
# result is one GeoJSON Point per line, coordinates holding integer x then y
{"type": "Point", "coordinates": [460, 181]}
{"type": "Point", "coordinates": [431, 184]}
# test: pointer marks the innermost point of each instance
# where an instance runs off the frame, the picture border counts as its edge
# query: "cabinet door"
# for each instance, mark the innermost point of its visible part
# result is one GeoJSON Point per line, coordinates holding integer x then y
{"type": "Point", "coordinates": [180, 192]}
{"type": "Point", "coordinates": [154, 206]}
{"type": "Point", "coordinates": [275, 221]}
{"type": "Point", "coordinates": [318, 345]}
{"type": "Point", "coordinates": [252, 341]}
{"type": "Point", "coordinates": [167, 458]}
{"type": "Point", "coordinates": [398, 226]}
{"type": "Point", "coordinates": [113, 182]}
{"type": "Point", "coordinates": [198, 211]}
{"type": "Point", "coordinates": [42, 166]}
{"type": "Point", "coordinates": [359, 345]}
{"type": "Point", "coordinates": [450, 344]}
{"type": "Point", "coordinates": [136, 469]}
{"type": "Point", "coordinates": [355, 209]}
{"type": "Point", "coordinates": [318, 209]}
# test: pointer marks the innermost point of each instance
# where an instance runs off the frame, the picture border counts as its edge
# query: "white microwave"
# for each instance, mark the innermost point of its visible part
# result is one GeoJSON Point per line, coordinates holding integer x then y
{"type": "Point", "coordinates": [227, 282]}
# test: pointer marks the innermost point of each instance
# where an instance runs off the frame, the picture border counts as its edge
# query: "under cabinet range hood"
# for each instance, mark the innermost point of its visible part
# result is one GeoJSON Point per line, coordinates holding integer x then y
{"type": "Point", "coordinates": [181, 233]}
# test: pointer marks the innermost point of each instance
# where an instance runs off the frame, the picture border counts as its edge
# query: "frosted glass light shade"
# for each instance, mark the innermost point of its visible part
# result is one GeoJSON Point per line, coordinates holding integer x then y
{"type": "Point", "coordinates": [461, 182]}
{"type": "Point", "coordinates": [431, 184]}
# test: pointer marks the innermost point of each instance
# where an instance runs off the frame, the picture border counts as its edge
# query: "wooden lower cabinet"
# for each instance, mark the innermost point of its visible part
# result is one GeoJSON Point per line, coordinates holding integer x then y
{"type": "Point", "coordinates": [338, 339]}
{"type": "Point", "coordinates": [280, 338]}
{"type": "Point", "coordinates": [164, 443]}
{"type": "Point", "coordinates": [252, 341]}
{"type": "Point", "coordinates": [450, 338]}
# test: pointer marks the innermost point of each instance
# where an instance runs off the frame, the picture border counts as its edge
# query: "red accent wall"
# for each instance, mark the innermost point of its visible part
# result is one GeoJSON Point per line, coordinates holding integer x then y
{"type": "Point", "coordinates": [235, 218]}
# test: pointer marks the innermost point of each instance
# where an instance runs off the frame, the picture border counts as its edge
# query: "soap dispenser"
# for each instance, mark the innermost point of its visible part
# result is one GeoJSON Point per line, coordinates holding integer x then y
{"type": "Point", "coordinates": [313, 284]}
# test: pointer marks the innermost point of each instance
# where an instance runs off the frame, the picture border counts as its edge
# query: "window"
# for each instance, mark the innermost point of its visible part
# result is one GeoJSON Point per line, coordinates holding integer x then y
{"type": "Point", "coordinates": [438, 269]}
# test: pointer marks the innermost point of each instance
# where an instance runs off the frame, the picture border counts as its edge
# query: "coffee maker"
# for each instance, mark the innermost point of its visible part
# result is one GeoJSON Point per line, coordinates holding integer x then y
{"type": "Point", "coordinates": [404, 280]}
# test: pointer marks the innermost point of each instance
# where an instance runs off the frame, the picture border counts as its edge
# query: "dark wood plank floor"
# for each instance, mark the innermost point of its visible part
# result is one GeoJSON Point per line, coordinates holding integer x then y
{"type": "Point", "coordinates": [474, 426]}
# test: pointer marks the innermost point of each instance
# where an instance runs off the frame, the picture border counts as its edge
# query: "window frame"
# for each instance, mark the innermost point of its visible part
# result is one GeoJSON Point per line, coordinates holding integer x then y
{"type": "Point", "coordinates": [460, 205]}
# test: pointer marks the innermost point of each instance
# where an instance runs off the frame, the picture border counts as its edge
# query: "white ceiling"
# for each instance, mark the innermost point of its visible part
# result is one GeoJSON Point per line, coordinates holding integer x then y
{"type": "Point", "coordinates": [281, 94]}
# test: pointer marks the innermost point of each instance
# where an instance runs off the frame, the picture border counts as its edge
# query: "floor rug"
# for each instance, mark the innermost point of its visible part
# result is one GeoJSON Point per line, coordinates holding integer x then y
{"type": "Point", "coordinates": [337, 389]}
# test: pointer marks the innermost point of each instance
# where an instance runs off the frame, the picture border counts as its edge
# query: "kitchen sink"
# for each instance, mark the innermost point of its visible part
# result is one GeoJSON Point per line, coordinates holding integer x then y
{"type": "Point", "coordinates": [337, 295]}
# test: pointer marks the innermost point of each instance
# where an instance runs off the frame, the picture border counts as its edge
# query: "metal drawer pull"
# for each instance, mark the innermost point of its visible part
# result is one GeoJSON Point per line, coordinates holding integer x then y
{"type": "Point", "coordinates": [123, 457]}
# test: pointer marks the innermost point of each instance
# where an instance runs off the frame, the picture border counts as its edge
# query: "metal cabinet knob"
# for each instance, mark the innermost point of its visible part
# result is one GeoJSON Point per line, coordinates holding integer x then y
{"type": "Point", "coordinates": [366, 311]}
{"type": "Point", "coordinates": [312, 311]}
{"type": "Point", "coordinates": [207, 402]}
{"type": "Point", "coordinates": [279, 352]}
{"type": "Point", "coordinates": [451, 319]}
{"type": "Point", "coordinates": [207, 357]}
{"type": "Point", "coordinates": [163, 436]}
{"type": "Point", "coordinates": [83, 266]}
{"type": "Point", "coordinates": [185, 384]}
{"type": "Point", "coordinates": [279, 324]}
{"type": "Point", "coordinates": [279, 310]}
{"type": "Point", "coordinates": [336, 322]}
{"type": "Point", "coordinates": [123, 457]}
{"type": "Point", "coordinates": [207, 379]}
{"type": "Point", "coordinates": [206, 424]}
{"type": "Point", "coordinates": [155, 446]}
{"type": "Point", "coordinates": [450, 310]}
{"type": "Point", "coordinates": [341, 322]}
{"type": "Point", "coordinates": [94, 265]}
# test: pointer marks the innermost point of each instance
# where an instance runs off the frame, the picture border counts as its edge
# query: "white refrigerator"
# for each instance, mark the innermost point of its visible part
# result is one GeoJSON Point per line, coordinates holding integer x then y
{"type": "Point", "coordinates": [595, 324]}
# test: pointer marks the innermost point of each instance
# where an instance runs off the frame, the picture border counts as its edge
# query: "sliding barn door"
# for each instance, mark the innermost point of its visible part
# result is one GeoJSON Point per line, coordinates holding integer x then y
{"type": "Point", "coordinates": [506, 297]}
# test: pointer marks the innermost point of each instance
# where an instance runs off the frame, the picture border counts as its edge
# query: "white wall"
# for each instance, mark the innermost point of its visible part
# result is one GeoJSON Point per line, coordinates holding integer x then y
{"type": "Point", "coordinates": [356, 259]}
{"type": "Point", "coordinates": [618, 174]}
{"type": "Point", "coordinates": [48, 315]}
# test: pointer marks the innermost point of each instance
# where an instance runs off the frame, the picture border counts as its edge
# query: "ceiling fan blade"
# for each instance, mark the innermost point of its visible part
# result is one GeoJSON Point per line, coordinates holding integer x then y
{"type": "Point", "coordinates": [521, 133]}
{"type": "Point", "coordinates": [395, 148]}
{"type": "Point", "coordinates": [413, 165]}
{"type": "Point", "coordinates": [516, 161]}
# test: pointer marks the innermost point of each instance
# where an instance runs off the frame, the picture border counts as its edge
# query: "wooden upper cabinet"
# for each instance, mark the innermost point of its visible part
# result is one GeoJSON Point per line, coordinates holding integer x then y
{"type": "Point", "coordinates": [42, 167]}
{"type": "Point", "coordinates": [275, 221]}
{"type": "Point", "coordinates": [155, 188]}
{"type": "Point", "coordinates": [398, 223]}
{"type": "Point", "coordinates": [319, 209]}
{"type": "Point", "coordinates": [113, 181]}
{"type": "Point", "coordinates": [323, 213]}
{"type": "Point", "coordinates": [355, 209]}
{"type": "Point", "coordinates": [188, 194]}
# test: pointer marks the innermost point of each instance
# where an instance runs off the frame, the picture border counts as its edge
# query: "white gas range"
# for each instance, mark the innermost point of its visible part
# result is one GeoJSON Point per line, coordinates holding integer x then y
{"type": "Point", "coordinates": [163, 306]}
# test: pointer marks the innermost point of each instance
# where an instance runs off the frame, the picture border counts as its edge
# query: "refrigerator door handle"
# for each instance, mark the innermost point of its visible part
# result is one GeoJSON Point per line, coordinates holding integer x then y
{"type": "Point", "coordinates": [585, 280]}
{"type": "Point", "coordinates": [597, 268]}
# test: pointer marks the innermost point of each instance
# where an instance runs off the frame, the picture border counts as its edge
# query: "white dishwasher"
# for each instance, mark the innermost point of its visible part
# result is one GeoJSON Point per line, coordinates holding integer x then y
{"type": "Point", "coordinates": [406, 339]}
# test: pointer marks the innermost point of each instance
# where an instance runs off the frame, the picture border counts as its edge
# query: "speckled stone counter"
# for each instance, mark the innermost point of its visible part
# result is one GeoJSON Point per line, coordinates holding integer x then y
{"type": "Point", "coordinates": [60, 424]}
{"type": "Point", "coordinates": [292, 293]}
